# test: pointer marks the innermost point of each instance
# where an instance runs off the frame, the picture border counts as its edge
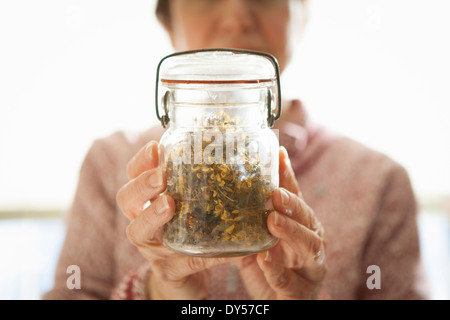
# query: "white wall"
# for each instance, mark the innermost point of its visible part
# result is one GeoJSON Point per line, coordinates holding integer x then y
{"type": "Point", "coordinates": [72, 71]}
{"type": "Point", "coordinates": [379, 71]}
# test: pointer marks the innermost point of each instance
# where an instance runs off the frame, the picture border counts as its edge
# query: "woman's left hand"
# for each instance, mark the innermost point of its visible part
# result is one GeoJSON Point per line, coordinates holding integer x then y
{"type": "Point", "coordinates": [295, 267]}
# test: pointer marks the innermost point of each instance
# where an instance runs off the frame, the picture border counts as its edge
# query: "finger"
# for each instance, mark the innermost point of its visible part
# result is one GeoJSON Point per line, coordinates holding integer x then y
{"type": "Point", "coordinates": [253, 277]}
{"type": "Point", "coordinates": [147, 158]}
{"type": "Point", "coordinates": [287, 175]}
{"type": "Point", "coordinates": [178, 267]}
{"type": "Point", "coordinates": [132, 197]}
{"type": "Point", "coordinates": [302, 240]}
{"type": "Point", "coordinates": [277, 276]}
{"type": "Point", "coordinates": [294, 207]}
{"type": "Point", "coordinates": [286, 282]}
{"type": "Point", "coordinates": [146, 229]}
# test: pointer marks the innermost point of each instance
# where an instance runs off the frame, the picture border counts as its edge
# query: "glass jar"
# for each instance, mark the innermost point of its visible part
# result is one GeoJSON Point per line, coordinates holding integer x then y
{"type": "Point", "coordinates": [219, 152]}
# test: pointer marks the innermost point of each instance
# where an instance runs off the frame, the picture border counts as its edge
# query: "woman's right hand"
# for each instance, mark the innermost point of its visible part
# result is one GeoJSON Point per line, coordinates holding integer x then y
{"type": "Point", "coordinates": [173, 276]}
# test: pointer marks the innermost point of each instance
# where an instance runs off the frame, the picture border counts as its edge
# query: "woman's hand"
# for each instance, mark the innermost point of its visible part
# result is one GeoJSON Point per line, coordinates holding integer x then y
{"type": "Point", "coordinates": [174, 276]}
{"type": "Point", "coordinates": [295, 267]}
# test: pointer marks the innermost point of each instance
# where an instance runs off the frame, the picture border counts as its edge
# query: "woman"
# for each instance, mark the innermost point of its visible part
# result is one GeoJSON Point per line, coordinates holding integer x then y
{"type": "Point", "coordinates": [344, 214]}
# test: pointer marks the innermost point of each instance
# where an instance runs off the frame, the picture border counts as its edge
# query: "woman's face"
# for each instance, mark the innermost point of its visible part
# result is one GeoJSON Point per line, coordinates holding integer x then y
{"type": "Point", "coordinates": [261, 25]}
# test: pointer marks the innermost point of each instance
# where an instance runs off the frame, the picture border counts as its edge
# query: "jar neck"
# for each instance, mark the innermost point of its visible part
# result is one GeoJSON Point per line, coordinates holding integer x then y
{"type": "Point", "coordinates": [201, 108]}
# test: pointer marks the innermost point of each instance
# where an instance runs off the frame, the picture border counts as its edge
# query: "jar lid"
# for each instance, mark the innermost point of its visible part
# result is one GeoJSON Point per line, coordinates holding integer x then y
{"type": "Point", "coordinates": [218, 67]}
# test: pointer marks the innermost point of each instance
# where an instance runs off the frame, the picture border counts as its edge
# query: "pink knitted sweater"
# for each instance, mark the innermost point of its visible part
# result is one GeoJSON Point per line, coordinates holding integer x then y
{"type": "Point", "coordinates": [363, 199]}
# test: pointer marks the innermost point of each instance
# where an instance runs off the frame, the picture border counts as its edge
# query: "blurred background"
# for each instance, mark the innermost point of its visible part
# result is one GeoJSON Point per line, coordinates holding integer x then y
{"type": "Point", "coordinates": [73, 71]}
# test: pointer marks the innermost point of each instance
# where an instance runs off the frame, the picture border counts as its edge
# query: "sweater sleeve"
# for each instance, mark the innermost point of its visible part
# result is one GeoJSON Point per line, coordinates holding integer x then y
{"type": "Point", "coordinates": [392, 247]}
{"type": "Point", "coordinates": [90, 234]}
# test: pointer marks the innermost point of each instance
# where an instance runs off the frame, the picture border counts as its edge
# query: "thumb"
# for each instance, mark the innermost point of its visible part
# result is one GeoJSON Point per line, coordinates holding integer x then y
{"type": "Point", "coordinates": [177, 267]}
{"type": "Point", "coordinates": [287, 175]}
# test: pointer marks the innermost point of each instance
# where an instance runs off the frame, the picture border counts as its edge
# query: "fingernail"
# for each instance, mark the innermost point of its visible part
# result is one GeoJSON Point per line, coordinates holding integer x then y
{"type": "Point", "coordinates": [162, 205]}
{"type": "Point", "coordinates": [268, 204]}
{"type": "Point", "coordinates": [155, 179]}
{"type": "Point", "coordinates": [284, 197]}
{"type": "Point", "coordinates": [152, 154]}
{"type": "Point", "coordinates": [268, 257]}
{"type": "Point", "coordinates": [150, 149]}
{"type": "Point", "coordinates": [279, 220]}
{"type": "Point", "coordinates": [287, 161]}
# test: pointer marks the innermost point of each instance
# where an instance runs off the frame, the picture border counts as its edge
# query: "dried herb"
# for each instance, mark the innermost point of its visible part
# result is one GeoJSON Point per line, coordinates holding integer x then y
{"type": "Point", "coordinates": [219, 204]}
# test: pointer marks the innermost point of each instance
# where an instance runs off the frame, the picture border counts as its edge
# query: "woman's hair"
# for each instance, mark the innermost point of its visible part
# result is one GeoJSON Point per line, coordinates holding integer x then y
{"type": "Point", "coordinates": [162, 11]}
{"type": "Point", "coordinates": [163, 14]}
